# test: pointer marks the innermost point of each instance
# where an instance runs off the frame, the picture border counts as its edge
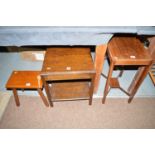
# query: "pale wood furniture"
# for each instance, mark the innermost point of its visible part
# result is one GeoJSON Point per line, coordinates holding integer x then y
{"type": "Point", "coordinates": [68, 74]}
{"type": "Point", "coordinates": [126, 51]}
{"type": "Point", "coordinates": [26, 80]}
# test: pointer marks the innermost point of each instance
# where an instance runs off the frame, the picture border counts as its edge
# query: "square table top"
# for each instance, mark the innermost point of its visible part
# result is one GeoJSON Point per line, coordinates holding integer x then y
{"type": "Point", "coordinates": [67, 60]}
{"type": "Point", "coordinates": [128, 51]}
{"type": "Point", "coordinates": [24, 80]}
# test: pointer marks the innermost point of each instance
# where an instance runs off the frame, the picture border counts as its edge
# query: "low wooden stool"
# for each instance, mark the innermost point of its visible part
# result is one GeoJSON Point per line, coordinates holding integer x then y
{"type": "Point", "coordinates": [30, 80]}
{"type": "Point", "coordinates": [126, 51]}
{"type": "Point", "coordinates": [71, 73]}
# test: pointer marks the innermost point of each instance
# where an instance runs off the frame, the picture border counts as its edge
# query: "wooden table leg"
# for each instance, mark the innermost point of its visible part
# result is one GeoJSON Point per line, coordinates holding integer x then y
{"type": "Point", "coordinates": [140, 77]}
{"type": "Point", "coordinates": [91, 90]}
{"type": "Point", "coordinates": [16, 97]}
{"type": "Point", "coordinates": [107, 82]}
{"type": "Point", "coordinates": [43, 97]}
{"type": "Point", "coordinates": [47, 92]}
{"type": "Point", "coordinates": [136, 79]}
{"type": "Point", "coordinates": [99, 62]}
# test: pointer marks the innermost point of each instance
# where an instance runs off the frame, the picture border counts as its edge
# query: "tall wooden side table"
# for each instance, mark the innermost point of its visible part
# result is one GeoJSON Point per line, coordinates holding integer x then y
{"type": "Point", "coordinates": [126, 51]}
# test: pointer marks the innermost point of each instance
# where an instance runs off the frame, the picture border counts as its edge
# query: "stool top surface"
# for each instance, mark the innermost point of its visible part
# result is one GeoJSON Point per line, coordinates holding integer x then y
{"type": "Point", "coordinates": [128, 51]}
{"type": "Point", "coordinates": [68, 60]}
{"type": "Point", "coordinates": [24, 80]}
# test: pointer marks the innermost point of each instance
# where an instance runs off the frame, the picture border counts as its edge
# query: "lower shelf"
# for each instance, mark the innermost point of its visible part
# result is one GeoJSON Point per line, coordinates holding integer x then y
{"type": "Point", "coordinates": [114, 83]}
{"type": "Point", "coordinates": [70, 90]}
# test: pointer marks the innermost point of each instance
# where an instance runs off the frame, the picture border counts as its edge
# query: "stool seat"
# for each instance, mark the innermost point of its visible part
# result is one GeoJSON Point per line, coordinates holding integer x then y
{"type": "Point", "coordinates": [70, 72]}
{"type": "Point", "coordinates": [24, 80]}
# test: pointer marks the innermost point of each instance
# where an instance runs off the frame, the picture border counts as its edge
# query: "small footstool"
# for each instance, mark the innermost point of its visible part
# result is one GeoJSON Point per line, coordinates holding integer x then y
{"type": "Point", "coordinates": [29, 80]}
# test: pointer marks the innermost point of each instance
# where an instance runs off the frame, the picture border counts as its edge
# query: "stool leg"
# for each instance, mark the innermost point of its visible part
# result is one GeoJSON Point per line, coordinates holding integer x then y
{"type": "Point", "coordinates": [43, 97]}
{"type": "Point", "coordinates": [47, 92]}
{"type": "Point", "coordinates": [16, 97]}
{"type": "Point", "coordinates": [137, 85]}
{"type": "Point", "coordinates": [106, 90]}
{"type": "Point", "coordinates": [91, 90]}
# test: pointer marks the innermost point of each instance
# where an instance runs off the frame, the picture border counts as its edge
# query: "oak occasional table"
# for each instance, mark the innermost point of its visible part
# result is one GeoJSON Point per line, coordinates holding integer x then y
{"type": "Point", "coordinates": [126, 51]}
{"type": "Point", "coordinates": [68, 74]}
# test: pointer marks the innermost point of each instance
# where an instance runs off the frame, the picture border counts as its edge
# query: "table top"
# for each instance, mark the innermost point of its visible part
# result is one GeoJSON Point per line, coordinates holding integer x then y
{"type": "Point", "coordinates": [128, 50]}
{"type": "Point", "coordinates": [25, 80]}
{"type": "Point", "coordinates": [64, 60]}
